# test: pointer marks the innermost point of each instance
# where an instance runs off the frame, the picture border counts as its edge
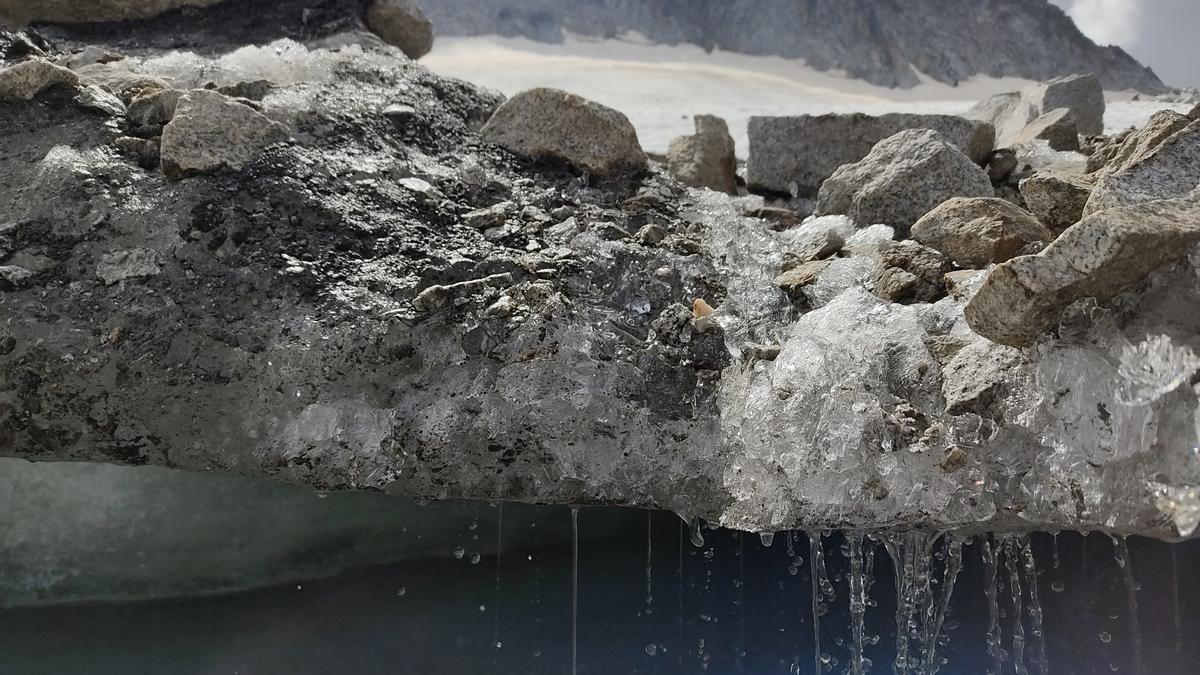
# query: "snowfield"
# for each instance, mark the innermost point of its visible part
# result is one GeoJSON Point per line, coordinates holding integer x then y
{"type": "Point", "coordinates": [660, 87]}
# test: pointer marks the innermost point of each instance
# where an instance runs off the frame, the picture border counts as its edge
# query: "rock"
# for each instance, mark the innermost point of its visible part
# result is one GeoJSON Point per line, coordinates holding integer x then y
{"type": "Point", "coordinates": [131, 264]}
{"type": "Point", "coordinates": [973, 377]}
{"type": "Point", "coordinates": [553, 124]}
{"type": "Point", "coordinates": [149, 112]}
{"type": "Point", "coordinates": [1056, 199]}
{"type": "Point", "coordinates": [795, 155]}
{"type": "Point", "coordinates": [901, 179]}
{"type": "Point", "coordinates": [145, 151]}
{"type": "Point", "coordinates": [1001, 164]}
{"type": "Point", "coordinates": [1009, 113]}
{"type": "Point", "coordinates": [909, 272]}
{"type": "Point", "coordinates": [87, 56]}
{"type": "Point", "coordinates": [30, 78]}
{"type": "Point", "coordinates": [807, 245]}
{"type": "Point", "coordinates": [962, 284]}
{"type": "Point", "coordinates": [100, 100]}
{"type": "Point", "coordinates": [492, 216]}
{"type": "Point", "coordinates": [1135, 146]}
{"type": "Point", "coordinates": [91, 11]}
{"type": "Point", "coordinates": [403, 24]}
{"type": "Point", "coordinates": [13, 277]}
{"type": "Point", "coordinates": [1083, 95]}
{"type": "Point", "coordinates": [1103, 255]}
{"type": "Point", "coordinates": [1171, 169]}
{"type": "Point", "coordinates": [977, 232]}
{"type": "Point", "coordinates": [1056, 127]}
{"type": "Point", "coordinates": [779, 217]}
{"type": "Point", "coordinates": [650, 235]}
{"type": "Point", "coordinates": [705, 159]}
{"type": "Point", "coordinates": [211, 133]}
{"type": "Point", "coordinates": [1194, 113]}
{"type": "Point", "coordinates": [797, 278]}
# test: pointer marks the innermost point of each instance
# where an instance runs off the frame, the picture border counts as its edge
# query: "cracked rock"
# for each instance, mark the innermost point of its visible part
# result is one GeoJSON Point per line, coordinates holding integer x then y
{"type": "Point", "coordinates": [1104, 254]}
{"type": "Point", "coordinates": [211, 133]}
{"type": "Point", "coordinates": [705, 159]}
{"type": "Point", "coordinates": [1170, 169]}
{"type": "Point", "coordinates": [1056, 199]}
{"type": "Point", "coordinates": [30, 78]}
{"type": "Point", "coordinates": [976, 232]}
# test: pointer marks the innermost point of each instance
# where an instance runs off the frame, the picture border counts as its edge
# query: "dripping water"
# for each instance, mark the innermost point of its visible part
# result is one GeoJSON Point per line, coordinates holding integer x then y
{"type": "Point", "coordinates": [649, 562]}
{"type": "Point", "coordinates": [1126, 565]}
{"type": "Point", "coordinates": [741, 601]}
{"type": "Point", "coordinates": [1014, 586]}
{"type": "Point", "coordinates": [816, 562]}
{"type": "Point", "coordinates": [858, 604]}
{"type": "Point", "coordinates": [694, 533]}
{"type": "Point", "coordinates": [1175, 607]}
{"type": "Point", "coordinates": [954, 546]}
{"type": "Point", "coordinates": [1036, 627]}
{"type": "Point", "coordinates": [496, 644]}
{"type": "Point", "coordinates": [988, 552]}
{"type": "Point", "coordinates": [767, 538]}
{"type": "Point", "coordinates": [574, 590]}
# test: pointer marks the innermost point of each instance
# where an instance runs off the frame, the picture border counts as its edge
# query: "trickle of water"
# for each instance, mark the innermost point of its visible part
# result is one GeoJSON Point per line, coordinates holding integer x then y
{"type": "Point", "coordinates": [1035, 606]}
{"type": "Point", "coordinates": [858, 603]}
{"type": "Point", "coordinates": [1014, 585]}
{"type": "Point", "coordinates": [816, 562]}
{"type": "Point", "coordinates": [953, 557]}
{"type": "Point", "coordinates": [1122, 553]}
{"type": "Point", "coordinates": [574, 590]}
{"type": "Point", "coordinates": [988, 552]}
{"type": "Point", "coordinates": [649, 561]}
{"type": "Point", "coordinates": [496, 598]}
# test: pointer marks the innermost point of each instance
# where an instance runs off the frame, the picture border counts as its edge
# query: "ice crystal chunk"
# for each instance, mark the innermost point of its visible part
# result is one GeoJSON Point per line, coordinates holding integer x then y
{"type": "Point", "coordinates": [1180, 504]}
{"type": "Point", "coordinates": [1154, 368]}
{"type": "Point", "coordinates": [841, 275]}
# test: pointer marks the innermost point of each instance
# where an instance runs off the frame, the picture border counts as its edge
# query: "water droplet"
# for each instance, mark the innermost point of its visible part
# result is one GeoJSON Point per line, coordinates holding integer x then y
{"type": "Point", "coordinates": [459, 553]}
{"type": "Point", "coordinates": [767, 538]}
{"type": "Point", "coordinates": [651, 649]}
{"type": "Point", "coordinates": [1105, 637]}
{"type": "Point", "coordinates": [475, 558]}
{"type": "Point", "coordinates": [401, 591]}
{"type": "Point", "coordinates": [1058, 587]}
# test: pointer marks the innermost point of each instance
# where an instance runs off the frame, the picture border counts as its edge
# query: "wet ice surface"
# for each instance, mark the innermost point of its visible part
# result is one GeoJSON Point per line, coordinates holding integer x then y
{"type": "Point", "coordinates": [650, 601]}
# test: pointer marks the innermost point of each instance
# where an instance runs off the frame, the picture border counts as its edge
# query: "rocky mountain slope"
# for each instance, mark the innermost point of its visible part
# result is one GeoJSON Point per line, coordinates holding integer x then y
{"type": "Point", "coordinates": [886, 43]}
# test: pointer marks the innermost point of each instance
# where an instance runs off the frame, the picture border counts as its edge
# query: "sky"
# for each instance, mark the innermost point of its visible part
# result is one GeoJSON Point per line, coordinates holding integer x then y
{"type": "Point", "coordinates": [1161, 34]}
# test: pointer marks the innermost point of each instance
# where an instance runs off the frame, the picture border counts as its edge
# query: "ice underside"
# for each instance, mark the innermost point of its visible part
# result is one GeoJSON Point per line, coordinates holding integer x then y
{"type": "Point", "coordinates": [1098, 432]}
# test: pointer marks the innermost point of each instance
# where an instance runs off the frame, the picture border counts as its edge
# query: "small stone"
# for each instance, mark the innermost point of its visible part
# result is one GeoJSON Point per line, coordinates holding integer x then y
{"type": "Point", "coordinates": [1001, 164]}
{"type": "Point", "coordinates": [1103, 255]}
{"type": "Point", "coordinates": [151, 111]}
{"type": "Point", "coordinates": [975, 375]}
{"type": "Point", "coordinates": [807, 245]}
{"type": "Point", "coordinates": [211, 133]}
{"type": "Point", "coordinates": [492, 216]}
{"type": "Point", "coordinates": [30, 78]}
{"type": "Point", "coordinates": [757, 352]}
{"type": "Point", "coordinates": [976, 232]}
{"type": "Point", "coordinates": [793, 281]}
{"type": "Point", "coordinates": [87, 56]}
{"type": "Point", "coordinates": [779, 217]}
{"type": "Point", "coordinates": [255, 90]}
{"type": "Point", "coordinates": [13, 277]}
{"type": "Point", "coordinates": [903, 178]}
{"type": "Point", "coordinates": [144, 150]}
{"type": "Point", "coordinates": [650, 235]}
{"type": "Point", "coordinates": [553, 124]}
{"type": "Point", "coordinates": [705, 159]}
{"type": "Point", "coordinates": [400, 113]}
{"type": "Point", "coordinates": [1056, 199]}
{"type": "Point", "coordinates": [909, 272]}
{"type": "Point", "coordinates": [962, 284]}
{"type": "Point", "coordinates": [131, 264]}
{"type": "Point", "coordinates": [403, 24]}
{"type": "Point", "coordinates": [1056, 127]}
{"type": "Point", "coordinates": [100, 100]}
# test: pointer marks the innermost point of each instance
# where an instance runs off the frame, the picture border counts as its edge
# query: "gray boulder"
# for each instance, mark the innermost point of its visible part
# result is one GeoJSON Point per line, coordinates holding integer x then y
{"type": "Point", "coordinates": [1103, 255]}
{"type": "Point", "coordinates": [796, 154]}
{"type": "Point", "coordinates": [705, 159]}
{"type": "Point", "coordinates": [30, 78]}
{"type": "Point", "coordinates": [977, 232]}
{"type": "Point", "coordinates": [1057, 127]}
{"type": "Point", "coordinates": [553, 124]}
{"type": "Point", "coordinates": [1171, 169]}
{"type": "Point", "coordinates": [211, 133]}
{"type": "Point", "coordinates": [901, 179]}
{"type": "Point", "coordinates": [1012, 112]}
{"type": "Point", "coordinates": [1083, 95]}
{"type": "Point", "coordinates": [1134, 146]}
{"type": "Point", "coordinates": [1056, 199]}
{"type": "Point", "coordinates": [1009, 113]}
{"type": "Point", "coordinates": [403, 24]}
